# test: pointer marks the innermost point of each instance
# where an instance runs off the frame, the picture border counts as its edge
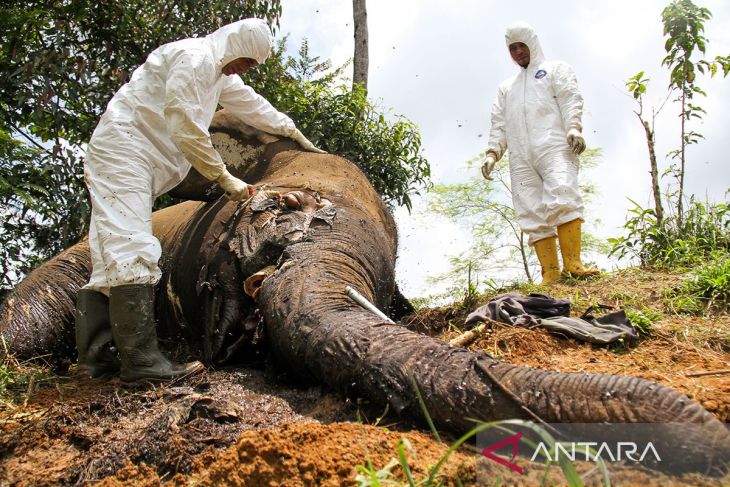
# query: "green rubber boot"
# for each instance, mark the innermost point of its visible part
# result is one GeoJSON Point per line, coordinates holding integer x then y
{"type": "Point", "coordinates": [97, 357]}
{"type": "Point", "coordinates": [132, 312]}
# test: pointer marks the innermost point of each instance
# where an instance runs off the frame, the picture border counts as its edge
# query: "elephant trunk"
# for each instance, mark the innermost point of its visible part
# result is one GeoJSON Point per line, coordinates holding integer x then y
{"type": "Point", "coordinates": [597, 398]}
{"type": "Point", "coordinates": [315, 329]}
{"type": "Point", "coordinates": [689, 437]}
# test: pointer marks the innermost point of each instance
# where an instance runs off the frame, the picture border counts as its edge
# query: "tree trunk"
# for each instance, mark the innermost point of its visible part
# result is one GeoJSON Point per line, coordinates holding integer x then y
{"type": "Point", "coordinates": [525, 260]}
{"type": "Point", "coordinates": [361, 60]}
{"type": "Point", "coordinates": [654, 171]}
{"type": "Point", "coordinates": [680, 205]}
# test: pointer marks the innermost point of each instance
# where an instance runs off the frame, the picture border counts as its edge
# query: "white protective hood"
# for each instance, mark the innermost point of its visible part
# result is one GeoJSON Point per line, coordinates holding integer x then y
{"type": "Point", "coordinates": [524, 33]}
{"type": "Point", "coordinates": [249, 38]}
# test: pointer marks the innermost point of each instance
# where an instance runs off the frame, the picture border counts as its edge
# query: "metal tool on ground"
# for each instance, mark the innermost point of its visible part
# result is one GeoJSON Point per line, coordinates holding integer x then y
{"type": "Point", "coordinates": [362, 301]}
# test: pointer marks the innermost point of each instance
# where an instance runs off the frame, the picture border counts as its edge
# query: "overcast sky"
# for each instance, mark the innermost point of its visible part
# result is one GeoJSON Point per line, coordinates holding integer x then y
{"type": "Point", "coordinates": [439, 64]}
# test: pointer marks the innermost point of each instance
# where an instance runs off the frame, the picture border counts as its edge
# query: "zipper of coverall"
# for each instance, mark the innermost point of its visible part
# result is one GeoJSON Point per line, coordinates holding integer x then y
{"type": "Point", "coordinates": [524, 111]}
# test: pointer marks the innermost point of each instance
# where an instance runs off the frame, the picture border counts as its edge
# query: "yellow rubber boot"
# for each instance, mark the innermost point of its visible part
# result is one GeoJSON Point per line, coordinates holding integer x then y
{"type": "Point", "coordinates": [547, 254]}
{"type": "Point", "coordinates": [569, 237]}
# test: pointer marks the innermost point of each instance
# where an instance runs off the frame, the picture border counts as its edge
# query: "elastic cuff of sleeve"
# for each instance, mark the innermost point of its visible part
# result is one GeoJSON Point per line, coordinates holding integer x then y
{"type": "Point", "coordinates": [223, 175]}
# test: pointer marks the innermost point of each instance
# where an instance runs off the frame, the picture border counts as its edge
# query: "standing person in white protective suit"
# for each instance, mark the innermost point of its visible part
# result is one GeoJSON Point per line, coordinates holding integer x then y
{"type": "Point", "coordinates": [154, 129]}
{"type": "Point", "coordinates": [537, 115]}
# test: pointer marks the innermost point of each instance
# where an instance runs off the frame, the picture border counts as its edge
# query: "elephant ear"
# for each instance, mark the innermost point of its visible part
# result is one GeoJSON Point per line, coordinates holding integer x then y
{"type": "Point", "coordinates": [326, 214]}
{"type": "Point", "coordinates": [224, 122]}
{"type": "Point", "coordinates": [240, 145]}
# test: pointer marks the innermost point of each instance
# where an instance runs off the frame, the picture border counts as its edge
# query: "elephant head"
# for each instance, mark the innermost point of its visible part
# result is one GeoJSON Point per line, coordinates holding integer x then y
{"type": "Point", "coordinates": [317, 226]}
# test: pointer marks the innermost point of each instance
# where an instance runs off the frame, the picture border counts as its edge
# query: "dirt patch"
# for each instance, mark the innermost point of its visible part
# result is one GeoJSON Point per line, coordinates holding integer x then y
{"type": "Point", "coordinates": [89, 429]}
{"type": "Point", "coordinates": [295, 455]}
{"type": "Point", "coordinates": [301, 454]}
{"type": "Point", "coordinates": [676, 349]}
{"type": "Point", "coordinates": [235, 427]}
{"type": "Point", "coordinates": [252, 427]}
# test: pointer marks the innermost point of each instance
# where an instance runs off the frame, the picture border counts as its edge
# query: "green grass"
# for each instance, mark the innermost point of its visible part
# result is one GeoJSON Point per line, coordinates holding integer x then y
{"type": "Point", "coordinates": [19, 381]}
{"type": "Point", "coordinates": [706, 288]}
{"type": "Point", "coordinates": [370, 476]}
{"type": "Point", "coordinates": [643, 319]}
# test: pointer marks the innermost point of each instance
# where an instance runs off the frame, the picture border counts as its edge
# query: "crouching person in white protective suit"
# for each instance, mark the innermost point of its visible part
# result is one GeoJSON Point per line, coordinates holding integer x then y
{"type": "Point", "coordinates": [154, 129]}
{"type": "Point", "coordinates": [537, 115]}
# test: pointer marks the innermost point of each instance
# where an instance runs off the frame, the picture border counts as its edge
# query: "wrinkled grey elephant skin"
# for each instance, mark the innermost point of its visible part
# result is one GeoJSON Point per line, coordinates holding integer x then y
{"type": "Point", "coordinates": [329, 231]}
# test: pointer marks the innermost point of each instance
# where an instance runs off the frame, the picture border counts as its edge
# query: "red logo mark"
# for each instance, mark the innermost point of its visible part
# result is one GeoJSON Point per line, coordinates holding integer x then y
{"type": "Point", "coordinates": [514, 440]}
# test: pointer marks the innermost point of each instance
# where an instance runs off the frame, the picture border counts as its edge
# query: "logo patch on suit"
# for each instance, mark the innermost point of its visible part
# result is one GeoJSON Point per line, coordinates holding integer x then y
{"type": "Point", "coordinates": [541, 73]}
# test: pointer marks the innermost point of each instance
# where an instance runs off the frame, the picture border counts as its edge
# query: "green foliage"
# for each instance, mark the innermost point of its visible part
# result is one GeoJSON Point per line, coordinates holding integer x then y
{"type": "Point", "coordinates": [643, 320]}
{"type": "Point", "coordinates": [706, 288]}
{"type": "Point", "coordinates": [722, 61]}
{"type": "Point", "coordinates": [498, 244]}
{"type": "Point", "coordinates": [61, 61]}
{"type": "Point", "coordinates": [18, 383]}
{"type": "Point", "coordinates": [485, 208]}
{"type": "Point", "coordinates": [637, 85]}
{"type": "Point", "coordinates": [369, 476]}
{"type": "Point", "coordinates": [342, 121]}
{"type": "Point", "coordinates": [684, 28]}
{"type": "Point", "coordinates": [689, 236]}
{"type": "Point", "coordinates": [35, 191]}
{"type": "Point", "coordinates": [676, 242]}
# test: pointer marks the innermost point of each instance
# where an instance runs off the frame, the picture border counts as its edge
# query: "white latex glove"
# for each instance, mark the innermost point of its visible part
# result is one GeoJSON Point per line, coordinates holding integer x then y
{"type": "Point", "coordinates": [235, 189]}
{"type": "Point", "coordinates": [304, 142]}
{"type": "Point", "coordinates": [576, 141]}
{"type": "Point", "coordinates": [488, 166]}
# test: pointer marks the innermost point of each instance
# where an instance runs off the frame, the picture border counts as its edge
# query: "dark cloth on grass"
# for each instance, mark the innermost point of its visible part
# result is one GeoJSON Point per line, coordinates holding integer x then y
{"type": "Point", "coordinates": [552, 314]}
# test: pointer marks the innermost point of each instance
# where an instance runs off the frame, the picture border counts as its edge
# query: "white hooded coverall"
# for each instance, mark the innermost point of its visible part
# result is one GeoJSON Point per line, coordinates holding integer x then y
{"type": "Point", "coordinates": [154, 128]}
{"type": "Point", "coordinates": [531, 116]}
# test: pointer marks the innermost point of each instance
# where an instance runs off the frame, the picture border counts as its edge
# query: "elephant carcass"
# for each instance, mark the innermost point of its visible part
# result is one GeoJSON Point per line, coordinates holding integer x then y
{"type": "Point", "coordinates": [330, 230]}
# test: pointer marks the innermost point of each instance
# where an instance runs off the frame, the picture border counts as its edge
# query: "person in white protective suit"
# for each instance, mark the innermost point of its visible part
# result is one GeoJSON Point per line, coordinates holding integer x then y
{"type": "Point", "coordinates": [154, 129]}
{"type": "Point", "coordinates": [537, 115]}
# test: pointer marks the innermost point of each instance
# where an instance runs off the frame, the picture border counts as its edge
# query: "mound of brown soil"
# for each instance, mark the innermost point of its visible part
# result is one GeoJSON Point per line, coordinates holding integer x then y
{"type": "Point", "coordinates": [246, 427]}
